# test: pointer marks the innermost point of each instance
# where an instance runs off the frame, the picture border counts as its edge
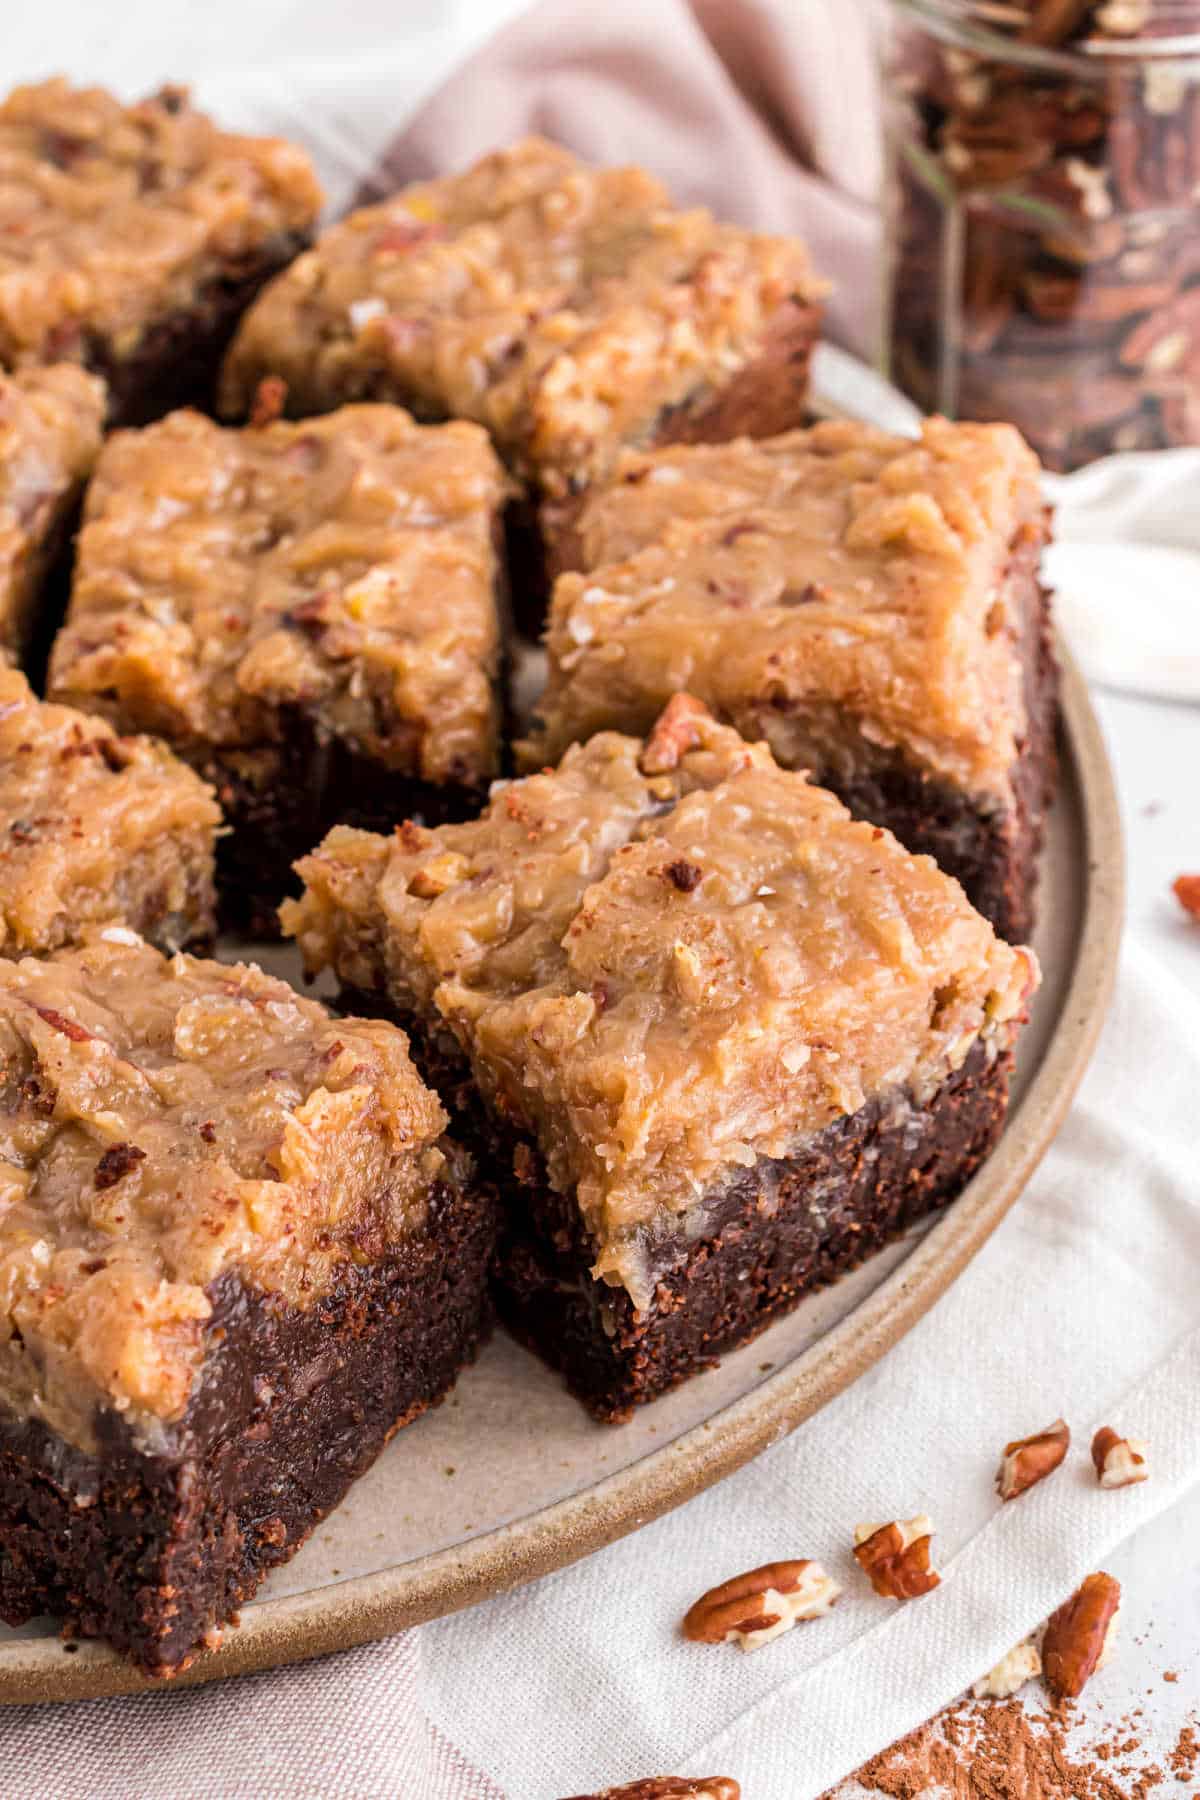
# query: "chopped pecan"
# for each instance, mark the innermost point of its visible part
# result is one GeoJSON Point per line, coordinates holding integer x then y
{"type": "Point", "coordinates": [762, 1604]}
{"type": "Point", "coordinates": [1081, 1635]}
{"type": "Point", "coordinates": [1054, 21]}
{"type": "Point", "coordinates": [1187, 892]}
{"type": "Point", "coordinates": [1119, 1462]}
{"type": "Point", "coordinates": [670, 1787]}
{"type": "Point", "coordinates": [60, 1022]}
{"type": "Point", "coordinates": [270, 398]}
{"type": "Point", "coordinates": [310, 615]}
{"type": "Point", "coordinates": [437, 875]}
{"type": "Point", "coordinates": [1029, 1460]}
{"type": "Point", "coordinates": [1010, 1673]}
{"type": "Point", "coordinates": [676, 731]}
{"type": "Point", "coordinates": [684, 875]}
{"type": "Point", "coordinates": [116, 1163]}
{"type": "Point", "coordinates": [411, 836]}
{"type": "Point", "coordinates": [895, 1557]}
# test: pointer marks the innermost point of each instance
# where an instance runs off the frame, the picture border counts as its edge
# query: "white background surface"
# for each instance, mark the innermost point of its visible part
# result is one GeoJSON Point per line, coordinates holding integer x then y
{"type": "Point", "coordinates": [1156, 745]}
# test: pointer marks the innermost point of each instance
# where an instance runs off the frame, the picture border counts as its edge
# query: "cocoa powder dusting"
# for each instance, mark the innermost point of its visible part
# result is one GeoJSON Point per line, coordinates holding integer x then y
{"type": "Point", "coordinates": [1006, 1751]}
{"type": "Point", "coordinates": [1185, 1757]}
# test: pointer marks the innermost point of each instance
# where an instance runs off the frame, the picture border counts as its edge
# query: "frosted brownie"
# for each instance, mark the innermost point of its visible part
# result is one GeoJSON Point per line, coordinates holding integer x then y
{"type": "Point", "coordinates": [869, 605]}
{"type": "Point", "coordinates": [727, 1040]}
{"type": "Point", "coordinates": [97, 829]}
{"type": "Point", "coordinates": [236, 1254]}
{"type": "Point", "coordinates": [50, 427]}
{"type": "Point", "coordinates": [131, 237]}
{"type": "Point", "coordinates": [569, 309]}
{"type": "Point", "coordinates": [309, 614]}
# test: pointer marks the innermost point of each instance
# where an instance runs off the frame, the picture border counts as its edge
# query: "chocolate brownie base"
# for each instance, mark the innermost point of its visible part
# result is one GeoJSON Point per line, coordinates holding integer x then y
{"type": "Point", "coordinates": [280, 800]}
{"type": "Point", "coordinates": [775, 1233]}
{"type": "Point", "coordinates": [153, 1550]}
{"type": "Point", "coordinates": [177, 361]}
{"type": "Point", "coordinates": [770, 395]}
{"type": "Point", "coordinates": [993, 855]}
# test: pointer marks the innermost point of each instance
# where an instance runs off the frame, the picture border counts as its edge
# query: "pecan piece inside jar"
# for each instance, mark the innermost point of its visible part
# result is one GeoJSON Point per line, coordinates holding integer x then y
{"type": "Point", "coordinates": [1081, 1635]}
{"type": "Point", "coordinates": [1119, 1462]}
{"type": "Point", "coordinates": [895, 1557]}
{"type": "Point", "coordinates": [670, 1787]}
{"type": "Point", "coordinates": [1029, 1460]}
{"type": "Point", "coordinates": [751, 1609]}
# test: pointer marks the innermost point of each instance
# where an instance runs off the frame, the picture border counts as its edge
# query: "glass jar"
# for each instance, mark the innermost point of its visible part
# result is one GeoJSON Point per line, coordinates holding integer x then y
{"type": "Point", "coordinates": [1044, 218]}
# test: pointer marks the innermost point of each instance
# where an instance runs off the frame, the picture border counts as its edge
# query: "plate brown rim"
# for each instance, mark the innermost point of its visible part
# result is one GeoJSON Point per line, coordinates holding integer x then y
{"type": "Point", "coordinates": [357, 1611]}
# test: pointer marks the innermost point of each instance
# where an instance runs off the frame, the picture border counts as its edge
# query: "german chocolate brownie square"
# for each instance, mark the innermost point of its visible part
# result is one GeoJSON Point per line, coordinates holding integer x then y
{"type": "Point", "coordinates": [309, 614]}
{"type": "Point", "coordinates": [132, 237]}
{"type": "Point", "coordinates": [869, 605]}
{"type": "Point", "coordinates": [569, 309]}
{"type": "Point", "coordinates": [712, 1039]}
{"type": "Point", "coordinates": [50, 427]}
{"type": "Point", "coordinates": [97, 829]}
{"type": "Point", "coordinates": [236, 1255]}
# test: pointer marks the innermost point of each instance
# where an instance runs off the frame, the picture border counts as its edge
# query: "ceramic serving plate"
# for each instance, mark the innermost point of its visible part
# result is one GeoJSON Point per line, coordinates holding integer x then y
{"type": "Point", "coordinates": [509, 1479]}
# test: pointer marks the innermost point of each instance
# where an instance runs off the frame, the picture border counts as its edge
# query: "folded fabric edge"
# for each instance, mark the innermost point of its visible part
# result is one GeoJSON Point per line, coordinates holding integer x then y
{"type": "Point", "coordinates": [950, 1638]}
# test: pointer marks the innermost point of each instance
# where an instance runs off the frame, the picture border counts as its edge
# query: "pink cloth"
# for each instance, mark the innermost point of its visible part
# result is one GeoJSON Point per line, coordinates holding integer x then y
{"type": "Point", "coordinates": [765, 112]}
{"type": "Point", "coordinates": [350, 1727]}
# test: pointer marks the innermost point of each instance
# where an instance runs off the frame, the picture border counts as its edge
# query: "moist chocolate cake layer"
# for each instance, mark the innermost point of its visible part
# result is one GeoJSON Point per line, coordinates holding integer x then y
{"type": "Point", "coordinates": [178, 360]}
{"type": "Point", "coordinates": [775, 1233]}
{"type": "Point", "coordinates": [152, 1550]}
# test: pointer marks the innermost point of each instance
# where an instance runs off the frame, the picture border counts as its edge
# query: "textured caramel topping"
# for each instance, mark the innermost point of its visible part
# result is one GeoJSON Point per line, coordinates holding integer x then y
{"type": "Point", "coordinates": [839, 592]}
{"type": "Point", "coordinates": [93, 828]}
{"type": "Point", "coordinates": [50, 425]}
{"type": "Point", "coordinates": [163, 1121]}
{"type": "Point", "coordinates": [111, 216]}
{"type": "Point", "coordinates": [564, 307]}
{"type": "Point", "coordinates": [667, 975]}
{"type": "Point", "coordinates": [345, 566]}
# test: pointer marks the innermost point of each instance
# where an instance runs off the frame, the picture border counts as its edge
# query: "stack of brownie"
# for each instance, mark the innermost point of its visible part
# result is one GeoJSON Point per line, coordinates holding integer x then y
{"type": "Point", "coordinates": [702, 1015]}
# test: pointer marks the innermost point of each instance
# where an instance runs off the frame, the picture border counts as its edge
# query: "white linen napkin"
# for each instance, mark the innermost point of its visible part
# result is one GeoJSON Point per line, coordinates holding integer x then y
{"type": "Point", "coordinates": [1084, 1302]}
